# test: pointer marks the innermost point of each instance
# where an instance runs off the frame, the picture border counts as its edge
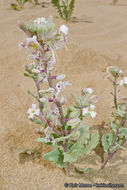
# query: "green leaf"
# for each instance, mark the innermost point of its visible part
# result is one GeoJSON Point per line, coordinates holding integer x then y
{"type": "Point", "coordinates": [72, 156]}
{"type": "Point", "coordinates": [110, 138]}
{"type": "Point", "coordinates": [75, 113]}
{"type": "Point", "coordinates": [71, 7]}
{"type": "Point", "coordinates": [40, 140]}
{"type": "Point", "coordinates": [56, 156]}
{"type": "Point", "coordinates": [15, 6]}
{"type": "Point", "coordinates": [73, 122]}
{"type": "Point", "coordinates": [123, 131]}
{"type": "Point", "coordinates": [92, 142]}
{"type": "Point", "coordinates": [83, 138]}
{"type": "Point", "coordinates": [121, 147]}
{"type": "Point", "coordinates": [62, 138]}
{"type": "Point", "coordinates": [112, 126]}
{"type": "Point", "coordinates": [58, 7]}
{"type": "Point", "coordinates": [77, 100]}
{"type": "Point", "coordinates": [39, 122]}
{"type": "Point", "coordinates": [83, 170]}
{"type": "Point", "coordinates": [105, 143]}
{"type": "Point", "coordinates": [30, 75]}
{"type": "Point", "coordinates": [36, 97]}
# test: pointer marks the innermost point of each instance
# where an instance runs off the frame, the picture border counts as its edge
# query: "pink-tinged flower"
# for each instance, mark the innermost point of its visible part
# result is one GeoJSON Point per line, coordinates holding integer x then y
{"type": "Point", "coordinates": [89, 110]}
{"type": "Point", "coordinates": [51, 63]}
{"type": "Point", "coordinates": [21, 45]}
{"type": "Point", "coordinates": [33, 111]}
{"type": "Point", "coordinates": [33, 42]}
{"type": "Point", "coordinates": [61, 85]}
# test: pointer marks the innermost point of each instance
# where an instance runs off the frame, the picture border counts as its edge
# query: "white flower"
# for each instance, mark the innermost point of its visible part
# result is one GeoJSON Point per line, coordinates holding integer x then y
{"type": "Point", "coordinates": [60, 77]}
{"type": "Point", "coordinates": [33, 111]}
{"type": "Point", "coordinates": [63, 29]}
{"type": "Point", "coordinates": [33, 41]}
{"type": "Point", "coordinates": [59, 87]}
{"type": "Point", "coordinates": [88, 90]}
{"type": "Point", "coordinates": [40, 20]}
{"type": "Point", "coordinates": [89, 110]}
{"type": "Point", "coordinates": [124, 81]}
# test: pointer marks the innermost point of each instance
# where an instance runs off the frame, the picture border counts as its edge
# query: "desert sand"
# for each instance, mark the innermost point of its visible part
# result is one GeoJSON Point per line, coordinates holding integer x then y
{"type": "Point", "coordinates": [97, 39]}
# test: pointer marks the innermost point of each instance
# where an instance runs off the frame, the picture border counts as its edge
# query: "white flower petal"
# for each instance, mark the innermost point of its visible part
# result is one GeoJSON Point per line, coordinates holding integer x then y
{"type": "Point", "coordinates": [92, 107]}
{"type": "Point", "coordinates": [121, 82]}
{"type": "Point", "coordinates": [63, 29]}
{"type": "Point", "coordinates": [37, 111]}
{"type": "Point", "coordinates": [29, 111]}
{"type": "Point", "coordinates": [93, 114]}
{"type": "Point", "coordinates": [60, 77]}
{"type": "Point", "coordinates": [34, 106]}
{"type": "Point", "coordinates": [85, 111]}
{"type": "Point", "coordinates": [31, 115]}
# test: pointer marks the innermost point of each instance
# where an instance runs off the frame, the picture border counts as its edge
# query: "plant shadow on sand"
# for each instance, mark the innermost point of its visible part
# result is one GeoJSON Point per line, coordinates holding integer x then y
{"type": "Point", "coordinates": [112, 173]}
{"type": "Point", "coordinates": [78, 20]}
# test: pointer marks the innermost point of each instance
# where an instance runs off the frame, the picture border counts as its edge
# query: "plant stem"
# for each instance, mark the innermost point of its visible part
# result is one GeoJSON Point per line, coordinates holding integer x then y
{"type": "Point", "coordinates": [38, 88]}
{"type": "Point", "coordinates": [68, 163]}
{"type": "Point", "coordinates": [110, 154]}
{"type": "Point", "coordinates": [115, 93]}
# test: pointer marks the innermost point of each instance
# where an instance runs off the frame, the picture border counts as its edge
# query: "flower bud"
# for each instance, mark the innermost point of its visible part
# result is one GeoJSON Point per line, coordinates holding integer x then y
{"type": "Point", "coordinates": [114, 71]}
{"type": "Point", "coordinates": [60, 77]}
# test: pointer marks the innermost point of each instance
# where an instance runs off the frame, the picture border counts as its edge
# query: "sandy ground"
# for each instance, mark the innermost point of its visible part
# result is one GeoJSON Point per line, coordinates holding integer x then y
{"type": "Point", "coordinates": [97, 39]}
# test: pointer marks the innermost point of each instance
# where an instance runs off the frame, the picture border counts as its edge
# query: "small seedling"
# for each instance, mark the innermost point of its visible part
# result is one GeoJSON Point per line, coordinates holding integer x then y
{"type": "Point", "coordinates": [20, 4]}
{"type": "Point", "coordinates": [64, 8]}
{"type": "Point", "coordinates": [114, 2]}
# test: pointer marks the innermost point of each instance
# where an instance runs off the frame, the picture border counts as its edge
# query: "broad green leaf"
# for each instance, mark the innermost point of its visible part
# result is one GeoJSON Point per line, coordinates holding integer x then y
{"type": "Point", "coordinates": [75, 135]}
{"type": "Point", "coordinates": [110, 138]}
{"type": "Point", "coordinates": [83, 138]}
{"type": "Point", "coordinates": [77, 100]}
{"type": "Point", "coordinates": [92, 142]}
{"type": "Point", "coordinates": [83, 170]}
{"type": "Point", "coordinates": [105, 143]}
{"type": "Point", "coordinates": [56, 156]}
{"type": "Point", "coordinates": [123, 131]}
{"type": "Point", "coordinates": [112, 126]}
{"type": "Point", "coordinates": [72, 156]}
{"type": "Point", "coordinates": [73, 122]}
{"type": "Point", "coordinates": [75, 113]}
